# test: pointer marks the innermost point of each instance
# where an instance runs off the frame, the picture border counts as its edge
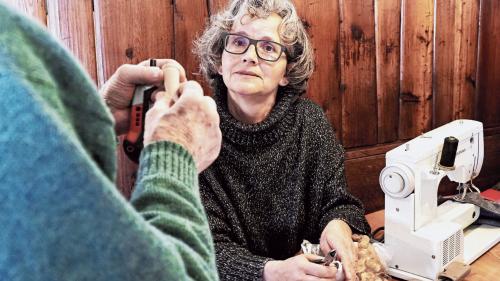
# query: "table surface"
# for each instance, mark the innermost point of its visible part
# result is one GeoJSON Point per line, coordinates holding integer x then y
{"type": "Point", "coordinates": [486, 268]}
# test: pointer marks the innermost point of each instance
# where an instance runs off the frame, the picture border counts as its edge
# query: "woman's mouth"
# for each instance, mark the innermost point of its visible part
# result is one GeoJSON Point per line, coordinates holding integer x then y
{"type": "Point", "coordinates": [247, 73]}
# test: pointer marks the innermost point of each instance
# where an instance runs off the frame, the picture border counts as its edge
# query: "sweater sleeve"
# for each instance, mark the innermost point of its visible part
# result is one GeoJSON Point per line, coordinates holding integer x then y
{"type": "Point", "coordinates": [337, 202]}
{"type": "Point", "coordinates": [167, 196]}
{"type": "Point", "coordinates": [234, 260]}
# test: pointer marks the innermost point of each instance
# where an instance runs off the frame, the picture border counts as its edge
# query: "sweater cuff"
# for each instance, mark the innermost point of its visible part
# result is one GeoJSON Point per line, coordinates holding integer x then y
{"type": "Point", "coordinates": [352, 216]}
{"type": "Point", "coordinates": [239, 264]}
{"type": "Point", "coordinates": [169, 160]}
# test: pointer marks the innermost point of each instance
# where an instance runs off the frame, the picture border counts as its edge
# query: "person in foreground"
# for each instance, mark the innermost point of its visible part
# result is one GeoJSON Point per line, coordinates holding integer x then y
{"type": "Point", "coordinates": [279, 178]}
{"type": "Point", "coordinates": [62, 217]}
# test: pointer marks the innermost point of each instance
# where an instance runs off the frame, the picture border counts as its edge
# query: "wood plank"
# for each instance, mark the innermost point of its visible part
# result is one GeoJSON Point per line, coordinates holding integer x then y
{"type": "Point", "coordinates": [455, 57]}
{"type": "Point", "coordinates": [72, 22]}
{"type": "Point", "coordinates": [322, 21]}
{"type": "Point", "coordinates": [215, 6]}
{"type": "Point", "coordinates": [130, 31]}
{"type": "Point", "coordinates": [373, 150]}
{"type": "Point", "coordinates": [488, 78]}
{"type": "Point", "coordinates": [387, 37]}
{"type": "Point", "coordinates": [362, 179]}
{"type": "Point", "coordinates": [415, 115]}
{"type": "Point", "coordinates": [358, 75]}
{"type": "Point", "coordinates": [36, 9]}
{"type": "Point", "coordinates": [467, 18]}
{"type": "Point", "coordinates": [188, 24]}
{"type": "Point", "coordinates": [444, 63]}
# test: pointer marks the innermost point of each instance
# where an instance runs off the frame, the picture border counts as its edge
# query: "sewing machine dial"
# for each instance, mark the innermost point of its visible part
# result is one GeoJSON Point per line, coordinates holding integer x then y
{"type": "Point", "coordinates": [397, 180]}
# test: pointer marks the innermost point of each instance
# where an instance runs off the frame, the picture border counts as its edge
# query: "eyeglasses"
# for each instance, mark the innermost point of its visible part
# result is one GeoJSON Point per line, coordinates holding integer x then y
{"type": "Point", "coordinates": [267, 50]}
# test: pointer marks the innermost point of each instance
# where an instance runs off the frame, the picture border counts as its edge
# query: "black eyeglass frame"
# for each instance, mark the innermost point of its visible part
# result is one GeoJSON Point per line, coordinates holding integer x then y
{"type": "Point", "coordinates": [254, 43]}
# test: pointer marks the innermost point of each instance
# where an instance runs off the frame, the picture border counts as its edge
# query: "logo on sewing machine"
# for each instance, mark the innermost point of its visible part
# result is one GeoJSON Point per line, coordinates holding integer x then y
{"type": "Point", "coordinates": [460, 151]}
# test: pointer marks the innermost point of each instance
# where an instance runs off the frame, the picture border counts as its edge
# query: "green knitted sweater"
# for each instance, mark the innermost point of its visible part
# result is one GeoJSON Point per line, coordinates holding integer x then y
{"type": "Point", "coordinates": [60, 213]}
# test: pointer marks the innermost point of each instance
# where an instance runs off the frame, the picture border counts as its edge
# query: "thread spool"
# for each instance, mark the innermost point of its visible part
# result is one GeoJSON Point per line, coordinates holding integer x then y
{"type": "Point", "coordinates": [448, 154]}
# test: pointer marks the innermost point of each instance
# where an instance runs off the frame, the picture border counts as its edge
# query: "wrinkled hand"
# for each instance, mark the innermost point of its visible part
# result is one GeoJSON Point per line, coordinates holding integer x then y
{"type": "Point", "coordinates": [182, 114]}
{"type": "Point", "coordinates": [337, 236]}
{"type": "Point", "coordinates": [298, 268]}
{"type": "Point", "coordinates": [118, 91]}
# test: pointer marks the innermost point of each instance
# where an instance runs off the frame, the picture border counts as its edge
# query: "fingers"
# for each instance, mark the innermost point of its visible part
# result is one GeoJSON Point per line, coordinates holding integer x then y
{"type": "Point", "coordinates": [314, 278]}
{"type": "Point", "coordinates": [318, 270]}
{"type": "Point", "coordinates": [348, 259]}
{"type": "Point", "coordinates": [171, 80]}
{"type": "Point", "coordinates": [173, 63]}
{"type": "Point", "coordinates": [129, 74]}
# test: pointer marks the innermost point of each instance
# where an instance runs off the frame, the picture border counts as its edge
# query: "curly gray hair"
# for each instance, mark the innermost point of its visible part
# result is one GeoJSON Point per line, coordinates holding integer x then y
{"type": "Point", "coordinates": [300, 60]}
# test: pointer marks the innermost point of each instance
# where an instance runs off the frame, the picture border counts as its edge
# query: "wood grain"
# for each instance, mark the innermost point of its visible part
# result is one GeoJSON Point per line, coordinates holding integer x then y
{"type": "Point", "coordinates": [36, 9]}
{"type": "Point", "coordinates": [455, 57]}
{"type": "Point", "coordinates": [216, 6]}
{"type": "Point", "coordinates": [72, 22]}
{"type": "Point", "coordinates": [322, 21]}
{"type": "Point", "coordinates": [130, 31]}
{"type": "Point", "coordinates": [188, 25]}
{"type": "Point", "coordinates": [415, 116]}
{"type": "Point", "coordinates": [387, 37]}
{"type": "Point", "coordinates": [362, 180]}
{"type": "Point", "coordinates": [488, 78]}
{"type": "Point", "coordinates": [358, 79]}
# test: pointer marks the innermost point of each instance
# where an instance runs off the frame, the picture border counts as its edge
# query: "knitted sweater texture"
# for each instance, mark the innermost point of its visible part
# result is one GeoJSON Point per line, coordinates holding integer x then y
{"type": "Point", "coordinates": [274, 184]}
{"type": "Point", "coordinates": [61, 215]}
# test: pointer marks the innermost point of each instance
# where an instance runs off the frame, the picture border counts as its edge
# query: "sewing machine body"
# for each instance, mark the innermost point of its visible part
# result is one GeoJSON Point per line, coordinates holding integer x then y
{"type": "Point", "coordinates": [423, 237]}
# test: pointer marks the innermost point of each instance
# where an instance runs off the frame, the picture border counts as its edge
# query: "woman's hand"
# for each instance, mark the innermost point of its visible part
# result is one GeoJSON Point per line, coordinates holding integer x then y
{"type": "Point", "coordinates": [337, 236]}
{"type": "Point", "coordinates": [298, 268]}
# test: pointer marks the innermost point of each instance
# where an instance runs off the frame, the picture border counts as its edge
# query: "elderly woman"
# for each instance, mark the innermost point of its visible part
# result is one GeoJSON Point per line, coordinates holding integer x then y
{"type": "Point", "coordinates": [279, 178]}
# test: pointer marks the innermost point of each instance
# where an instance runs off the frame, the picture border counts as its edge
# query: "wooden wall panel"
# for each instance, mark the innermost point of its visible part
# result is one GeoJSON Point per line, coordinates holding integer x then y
{"type": "Point", "coordinates": [215, 6]}
{"type": "Point", "coordinates": [388, 36]}
{"type": "Point", "coordinates": [488, 77]}
{"type": "Point", "coordinates": [358, 86]}
{"type": "Point", "coordinates": [72, 22]}
{"type": "Point", "coordinates": [130, 31]}
{"type": "Point", "coordinates": [374, 66]}
{"type": "Point", "coordinates": [188, 24]}
{"type": "Point", "coordinates": [455, 57]}
{"type": "Point", "coordinates": [415, 115]}
{"type": "Point", "coordinates": [36, 9]}
{"type": "Point", "coordinates": [322, 21]}
{"type": "Point", "coordinates": [362, 179]}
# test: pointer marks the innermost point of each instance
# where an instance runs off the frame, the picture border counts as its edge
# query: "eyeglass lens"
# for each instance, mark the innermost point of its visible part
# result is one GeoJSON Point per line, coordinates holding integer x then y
{"type": "Point", "coordinates": [267, 50]}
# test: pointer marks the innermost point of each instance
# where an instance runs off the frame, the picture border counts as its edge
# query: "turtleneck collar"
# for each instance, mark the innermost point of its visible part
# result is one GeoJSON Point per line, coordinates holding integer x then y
{"type": "Point", "coordinates": [269, 131]}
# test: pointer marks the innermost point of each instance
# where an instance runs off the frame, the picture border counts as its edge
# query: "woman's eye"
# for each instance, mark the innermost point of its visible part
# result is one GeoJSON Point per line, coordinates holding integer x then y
{"type": "Point", "coordinates": [239, 42]}
{"type": "Point", "coordinates": [269, 48]}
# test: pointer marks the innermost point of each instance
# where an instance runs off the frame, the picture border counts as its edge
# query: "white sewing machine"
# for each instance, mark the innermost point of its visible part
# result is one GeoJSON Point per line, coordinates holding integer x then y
{"type": "Point", "coordinates": [422, 237]}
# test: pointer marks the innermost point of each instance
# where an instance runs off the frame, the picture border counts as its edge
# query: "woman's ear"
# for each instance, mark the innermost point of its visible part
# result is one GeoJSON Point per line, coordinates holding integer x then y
{"type": "Point", "coordinates": [219, 69]}
{"type": "Point", "coordinates": [283, 82]}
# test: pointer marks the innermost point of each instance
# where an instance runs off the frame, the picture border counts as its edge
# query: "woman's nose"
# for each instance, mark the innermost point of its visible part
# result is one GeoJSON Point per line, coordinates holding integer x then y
{"type": "Point", "coordinates": [250, 55]}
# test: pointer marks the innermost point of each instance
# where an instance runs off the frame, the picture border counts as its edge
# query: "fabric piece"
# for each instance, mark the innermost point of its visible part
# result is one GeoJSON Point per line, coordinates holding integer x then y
{"type": "Point", "coordinates": [489, 210]}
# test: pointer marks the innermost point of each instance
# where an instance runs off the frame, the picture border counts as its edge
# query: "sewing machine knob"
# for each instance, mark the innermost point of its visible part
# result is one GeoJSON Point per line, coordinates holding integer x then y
{"type": "Point", "coordinates": [394, 183]}
{"type": "Point", "coordinates": [397, 180]}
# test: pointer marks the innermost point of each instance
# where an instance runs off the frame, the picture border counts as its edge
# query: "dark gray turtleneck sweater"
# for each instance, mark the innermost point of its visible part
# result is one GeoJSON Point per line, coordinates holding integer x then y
{"type": "Point", "coordinates": [274, 184]}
